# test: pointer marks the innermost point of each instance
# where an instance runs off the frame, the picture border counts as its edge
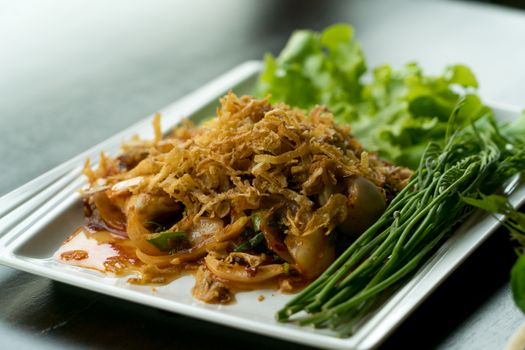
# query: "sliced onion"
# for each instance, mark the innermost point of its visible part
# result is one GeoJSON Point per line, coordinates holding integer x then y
{"type": "Point", "coordinates": [237, 273]}
{"type": "Point", "coordinates": [365, 205]}
{"type": "Point", "coordinates": [204, 229]}
{"type": "Point", "coordinates": [232, 230]}
{"type": "Point", "coordinates": [312, 253]}
{"type": "Point", "coordinates": [109, 213]}
{"type": "Point", "coordinates": [191, 254]}
{"type": "Point", "coordinates": [139, 234]}
{"type": "Point", "coordinates": [123, 186]}
{"type": "Point", "coordinates": [157, 260]}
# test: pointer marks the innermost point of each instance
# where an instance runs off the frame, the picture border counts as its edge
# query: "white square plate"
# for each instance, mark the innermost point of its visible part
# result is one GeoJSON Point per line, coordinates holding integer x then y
{"type": "Point", "coordinates": [49, 210]}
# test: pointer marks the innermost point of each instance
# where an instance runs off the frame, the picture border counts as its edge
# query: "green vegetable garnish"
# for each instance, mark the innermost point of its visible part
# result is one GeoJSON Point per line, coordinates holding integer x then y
{"type": "Point", "coordinates": [167, 240]}
{"type": "Point", "coordinates": [251, 243]}
{"type": "Point", "coordinates": [286, 268]}
{"type": "Point", "coordinates": [395, 114]}
{"type": "Point", "coordinates": [315, 68]}
{"type": "Point", "coordinates": [259, 236]}
{"type": "Point", "coordinates": [497, 204]}
{"type": "Point", "coordinates": [410, 119]}
{"type": "Point", "coordinates": [472, 160]}
{"type": "Point", "coordinates": [515, 223]}
{"type": "Point", "coordinates": [517, 282]}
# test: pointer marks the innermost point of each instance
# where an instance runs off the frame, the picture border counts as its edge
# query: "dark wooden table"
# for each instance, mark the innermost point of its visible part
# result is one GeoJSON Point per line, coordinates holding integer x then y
{"type": "Point", "coordinates": [73, 73]}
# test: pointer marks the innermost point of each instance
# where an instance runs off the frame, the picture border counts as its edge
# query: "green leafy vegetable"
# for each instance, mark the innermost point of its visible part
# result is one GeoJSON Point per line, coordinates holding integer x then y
{"type": "Point", "coordinates": [315, 68]}
{"type": "Point", "coordinates": [411, 119]}
{"type": "Point", "coordinates": [167, 240]}
{"type": "Point", "coordinates": [515, 223]}
{"type": "Point", "coordinates": [416, 222]}
{"type": "Point", "coordinates": [497, 204]}
{"type": "Point", "coordinates": [517, 282]}
{"type": "Point", "coordinates": [460, 74]}
{"type": "Point", "coordinates": [395, 114]}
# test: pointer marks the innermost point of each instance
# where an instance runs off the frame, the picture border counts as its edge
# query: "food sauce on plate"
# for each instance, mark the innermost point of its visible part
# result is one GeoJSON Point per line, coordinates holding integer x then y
{"type": "Point", "coordinates": [101, 251]}
{"type": "Point", "coordinates": [114, 255]}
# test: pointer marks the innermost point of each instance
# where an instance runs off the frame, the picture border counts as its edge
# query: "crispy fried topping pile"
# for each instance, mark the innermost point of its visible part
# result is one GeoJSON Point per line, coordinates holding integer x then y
{"type": "Point", "coordinates": [259, 193]}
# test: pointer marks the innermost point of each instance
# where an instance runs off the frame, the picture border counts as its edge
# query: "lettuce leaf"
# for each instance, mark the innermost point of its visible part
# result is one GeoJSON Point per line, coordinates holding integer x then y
{"type": "Point", "coordinates": [395, 114]}
{"type": "Point", "coordinates": [316, 68]}
{"type": "Point", "coordinates": [402, 110]}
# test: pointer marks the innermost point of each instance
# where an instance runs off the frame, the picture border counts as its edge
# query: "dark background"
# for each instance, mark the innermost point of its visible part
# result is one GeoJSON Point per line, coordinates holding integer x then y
{"type": "Point", "coordinates": [519, 4]}
{"type": "Point", "coordinates": [73, 73]}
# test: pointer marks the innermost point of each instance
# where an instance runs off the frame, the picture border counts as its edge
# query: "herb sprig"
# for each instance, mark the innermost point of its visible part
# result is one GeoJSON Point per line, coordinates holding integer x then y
{"type": "Point", "coordinates": [514, 222]}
